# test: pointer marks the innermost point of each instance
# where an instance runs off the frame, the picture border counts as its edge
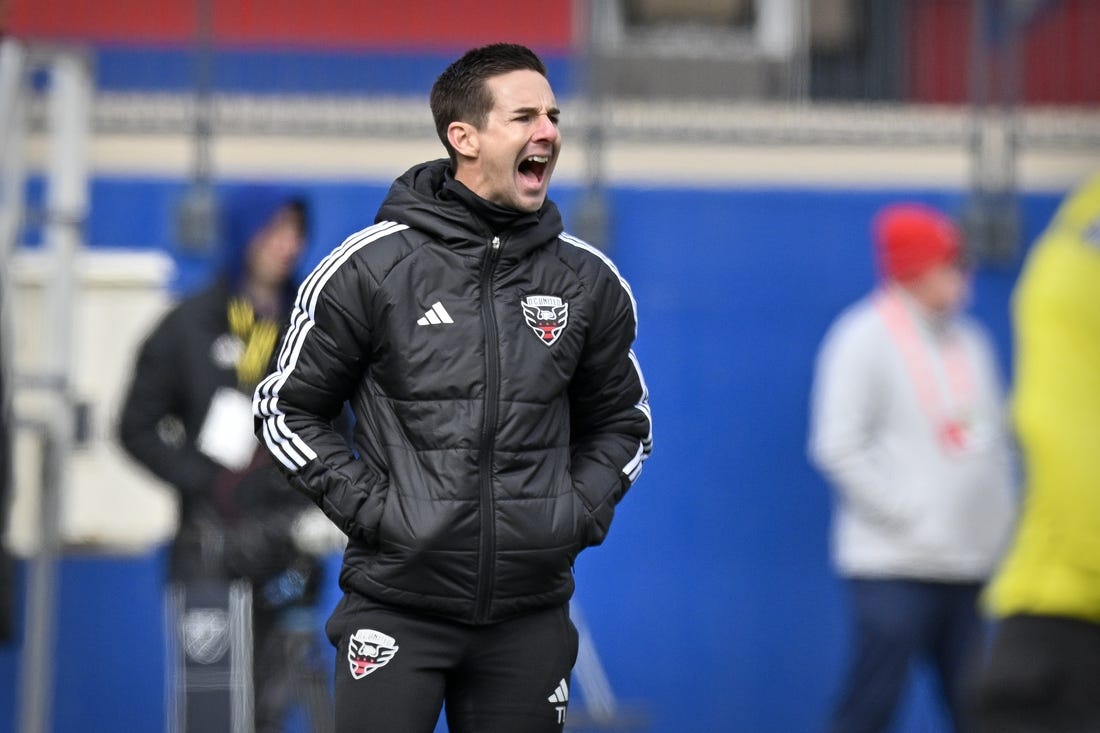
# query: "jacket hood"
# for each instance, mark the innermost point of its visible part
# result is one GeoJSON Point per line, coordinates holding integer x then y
{"type": "Point", "coordinates": [419, 198]}
{"type": "Point", "coordinates": [244, 213]}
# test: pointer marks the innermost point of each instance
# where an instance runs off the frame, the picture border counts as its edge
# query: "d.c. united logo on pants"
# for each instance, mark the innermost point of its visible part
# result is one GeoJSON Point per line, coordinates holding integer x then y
{"type": "Point", "coordinates": [369, 650]}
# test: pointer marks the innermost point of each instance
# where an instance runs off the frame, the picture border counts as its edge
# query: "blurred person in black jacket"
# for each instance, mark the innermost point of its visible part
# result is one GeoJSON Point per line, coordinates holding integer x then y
{"type": "Point", "coordinates": [187, 418]}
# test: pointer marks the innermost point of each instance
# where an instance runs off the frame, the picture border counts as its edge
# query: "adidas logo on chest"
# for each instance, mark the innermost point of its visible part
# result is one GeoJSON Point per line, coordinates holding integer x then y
{"type": "Point", "coordinates": [437, 315]}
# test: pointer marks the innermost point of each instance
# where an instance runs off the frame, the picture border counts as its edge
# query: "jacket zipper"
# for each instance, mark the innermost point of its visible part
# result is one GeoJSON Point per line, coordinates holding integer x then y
{"type": "Point", "coordinates": [486, 562]}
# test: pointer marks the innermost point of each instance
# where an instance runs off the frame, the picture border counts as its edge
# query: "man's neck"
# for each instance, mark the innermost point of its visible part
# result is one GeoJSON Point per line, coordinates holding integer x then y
{"type": "Point", "coordinates": [498, 218]}
{"type": "Point", "coordinates": [266, 299]}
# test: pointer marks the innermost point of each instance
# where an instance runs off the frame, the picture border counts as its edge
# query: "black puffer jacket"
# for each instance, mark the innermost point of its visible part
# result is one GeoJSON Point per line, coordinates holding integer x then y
{"type": "Point", "coordinates": [501, 414]}
{"type": "Point", "coordinates": [233, 522]}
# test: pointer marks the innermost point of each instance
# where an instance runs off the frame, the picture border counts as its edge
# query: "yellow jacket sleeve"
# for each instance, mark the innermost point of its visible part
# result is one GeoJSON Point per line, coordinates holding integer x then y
{"type": "Point", "coordinates": [1053, 565]}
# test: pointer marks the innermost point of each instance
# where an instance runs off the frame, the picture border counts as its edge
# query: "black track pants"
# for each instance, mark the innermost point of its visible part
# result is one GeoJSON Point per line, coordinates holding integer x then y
{"type": "Point", "coordinates": [395, 670]}
{"type": "Point", "coordinates": [1043, 676]}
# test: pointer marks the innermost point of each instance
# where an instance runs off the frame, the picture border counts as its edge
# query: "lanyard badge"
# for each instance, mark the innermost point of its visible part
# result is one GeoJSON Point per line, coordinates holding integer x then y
{"type": "Point", "coordinates": [947, 403]}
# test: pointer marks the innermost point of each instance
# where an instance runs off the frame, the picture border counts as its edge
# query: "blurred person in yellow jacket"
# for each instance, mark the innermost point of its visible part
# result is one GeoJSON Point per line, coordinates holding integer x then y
{"type": "Point", "coordinates": [1043, 672]}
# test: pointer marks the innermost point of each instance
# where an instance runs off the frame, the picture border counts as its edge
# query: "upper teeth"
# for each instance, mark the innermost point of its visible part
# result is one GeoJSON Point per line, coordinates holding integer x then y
{"type": "Point", "coordinates": [539, 159]}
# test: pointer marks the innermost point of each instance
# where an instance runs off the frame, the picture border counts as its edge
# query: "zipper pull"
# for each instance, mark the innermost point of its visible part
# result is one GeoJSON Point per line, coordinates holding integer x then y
{"type": "Point", "coordinates": [496, 243]}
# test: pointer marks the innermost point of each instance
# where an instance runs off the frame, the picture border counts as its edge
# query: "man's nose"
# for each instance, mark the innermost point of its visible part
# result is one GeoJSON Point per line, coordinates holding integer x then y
{"type": "Point", "coordinates": [546, 129]}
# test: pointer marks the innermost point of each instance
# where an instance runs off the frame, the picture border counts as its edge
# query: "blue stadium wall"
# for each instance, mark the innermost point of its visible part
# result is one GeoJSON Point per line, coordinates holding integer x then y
{"type": "Point", "coordinates": [712, 602]}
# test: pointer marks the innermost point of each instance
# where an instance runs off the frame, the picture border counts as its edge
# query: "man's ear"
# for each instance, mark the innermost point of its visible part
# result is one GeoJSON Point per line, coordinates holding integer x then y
{"type": "Point", "coordinates": [463, 138]}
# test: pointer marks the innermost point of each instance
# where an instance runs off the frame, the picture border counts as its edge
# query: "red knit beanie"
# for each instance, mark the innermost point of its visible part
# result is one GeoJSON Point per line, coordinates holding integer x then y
{"type": "Point", "coordinates": [910, 238]}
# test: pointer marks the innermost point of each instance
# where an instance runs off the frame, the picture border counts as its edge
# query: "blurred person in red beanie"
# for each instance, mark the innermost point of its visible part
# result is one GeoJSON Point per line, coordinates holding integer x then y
{"type": "Point", "coordinates": [907, 425]}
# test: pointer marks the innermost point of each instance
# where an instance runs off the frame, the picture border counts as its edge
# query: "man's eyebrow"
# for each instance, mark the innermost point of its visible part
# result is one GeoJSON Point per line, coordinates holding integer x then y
{"type": "Point", "coordinates": [552, 111]}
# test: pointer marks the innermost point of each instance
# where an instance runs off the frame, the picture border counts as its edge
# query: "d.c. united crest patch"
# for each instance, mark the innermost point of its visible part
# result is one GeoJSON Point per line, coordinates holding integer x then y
{"type": "Point", "coordinates": [369, 650]}
{"type": "Point", "coordinates": [547, 315]}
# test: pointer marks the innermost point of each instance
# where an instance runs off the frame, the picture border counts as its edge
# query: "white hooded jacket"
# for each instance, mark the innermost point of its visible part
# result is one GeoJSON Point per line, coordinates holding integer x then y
{"type": "Point", "coordinates": [908, 504]}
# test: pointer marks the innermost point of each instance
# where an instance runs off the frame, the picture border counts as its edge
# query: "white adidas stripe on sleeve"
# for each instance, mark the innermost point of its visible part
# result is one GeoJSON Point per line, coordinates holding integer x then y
{"type": "Point", "coordinates": [287, 446]}
{"type": "Point", "coordinates": [633, 468]}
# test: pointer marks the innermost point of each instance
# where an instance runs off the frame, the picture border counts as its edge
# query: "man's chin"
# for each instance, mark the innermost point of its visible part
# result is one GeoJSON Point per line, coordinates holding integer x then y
{"type": "Point", "coordinates": [532, 202]}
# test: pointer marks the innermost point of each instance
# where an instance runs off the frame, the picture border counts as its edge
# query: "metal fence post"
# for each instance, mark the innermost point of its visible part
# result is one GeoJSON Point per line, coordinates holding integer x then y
{"type": "Point", "coordinates": [69, 116]}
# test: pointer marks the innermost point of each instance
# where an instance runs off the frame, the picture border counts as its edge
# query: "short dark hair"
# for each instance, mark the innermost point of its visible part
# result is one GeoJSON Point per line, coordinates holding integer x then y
{"type": "Point", "coordinates": [461, 94]}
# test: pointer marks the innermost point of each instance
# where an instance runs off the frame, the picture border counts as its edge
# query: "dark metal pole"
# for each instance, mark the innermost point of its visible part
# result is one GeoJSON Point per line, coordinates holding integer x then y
{"type": "Point", "coordinates": [991, 218]}
{"type": "Point", "coordinates": [196, 218]}
{"type": "Point", "coordinates": [592, 219]}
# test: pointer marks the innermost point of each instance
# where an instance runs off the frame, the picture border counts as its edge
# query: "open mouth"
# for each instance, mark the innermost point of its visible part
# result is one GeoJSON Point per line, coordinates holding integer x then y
{"type": "Point", "coordinates": [533, 168]}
